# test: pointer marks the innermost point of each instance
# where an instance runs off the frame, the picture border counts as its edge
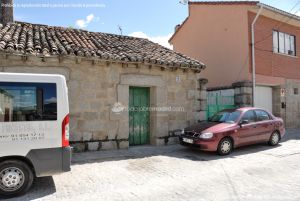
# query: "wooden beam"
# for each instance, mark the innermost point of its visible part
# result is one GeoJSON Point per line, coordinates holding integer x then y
{"type": "Point", "coordinates": [78, 60]}
{"type": "Point", "coordinates": [174, 69]}
{"type": "Point", "coordinates": [60, 59]}
{"type": "Point", "coordinates": [124, 65]}
{"type": "Point", "coordinates": [94, 61]}
{"type": "Point", "coordinates": [24, 58]}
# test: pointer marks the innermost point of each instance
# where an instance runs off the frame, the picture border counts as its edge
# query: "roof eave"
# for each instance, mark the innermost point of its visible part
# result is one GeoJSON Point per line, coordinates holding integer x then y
{"type": "Point", "coordinates": [197, 67]}
{"type": "Point", "coordinates": [273, 9]}
{"type": "Point", "coordinates": [176, 31]}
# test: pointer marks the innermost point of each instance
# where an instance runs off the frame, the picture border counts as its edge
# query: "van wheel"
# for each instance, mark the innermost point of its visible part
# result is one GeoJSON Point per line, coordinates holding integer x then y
{"type": "Point", "coordinates": [225, 146]}
{"type": "Point", "coordinates": [16, 178]}
{"type": "Point", "coordinates": [274, 139]}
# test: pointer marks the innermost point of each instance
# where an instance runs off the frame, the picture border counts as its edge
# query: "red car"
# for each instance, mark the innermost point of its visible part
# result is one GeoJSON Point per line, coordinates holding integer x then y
{"type": "Point", "coordinates": [233, 128]}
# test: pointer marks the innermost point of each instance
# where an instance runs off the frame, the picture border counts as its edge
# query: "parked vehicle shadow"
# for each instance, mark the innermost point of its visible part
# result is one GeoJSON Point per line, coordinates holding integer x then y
{"type": "Point", "coordinates": [42, 187]}
{"type": "Point", "coordinates": [176, 151]}
{"type": "Point", "coordinates": [292, 134]}
{"type": "Point", "coordinates": [197, 155]}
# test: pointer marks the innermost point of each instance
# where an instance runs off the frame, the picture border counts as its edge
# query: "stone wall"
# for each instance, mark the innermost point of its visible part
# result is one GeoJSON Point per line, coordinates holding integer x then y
{"type": "Point", "coordinates": [286, 103]}
{"type": "Point", "coordinates": [292, 104]}
{"type": "Point", "coordinates": [279, 102]}
{"type": "Point", "coordinates": [242, 93]}
{"type": "Point", "coordinates": [203, 99]}
{"type": "Point", "coordinates": [95, 86]}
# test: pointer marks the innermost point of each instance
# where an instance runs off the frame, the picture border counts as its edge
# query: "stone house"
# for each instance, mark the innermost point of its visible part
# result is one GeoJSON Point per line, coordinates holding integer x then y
{"type": "Point", "coordinates": [105, 69]}
{"type": "Point", "coordinates": [248, 42]}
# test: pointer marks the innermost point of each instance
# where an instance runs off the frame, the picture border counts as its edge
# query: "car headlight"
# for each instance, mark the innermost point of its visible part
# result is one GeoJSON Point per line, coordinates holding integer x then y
{"type": "Point", "coordinates": [206, 135]}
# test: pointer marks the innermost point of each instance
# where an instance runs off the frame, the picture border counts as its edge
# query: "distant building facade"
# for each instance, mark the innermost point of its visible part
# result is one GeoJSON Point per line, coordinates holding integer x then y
{"type": "Point", "coordinates": [219, 33]}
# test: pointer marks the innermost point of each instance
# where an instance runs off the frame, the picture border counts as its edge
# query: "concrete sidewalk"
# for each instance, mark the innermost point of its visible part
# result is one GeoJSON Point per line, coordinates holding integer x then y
{"type": "Point", "coordinates": [173, 173]}
{"type": "Point", "coordinates": [177, 150]}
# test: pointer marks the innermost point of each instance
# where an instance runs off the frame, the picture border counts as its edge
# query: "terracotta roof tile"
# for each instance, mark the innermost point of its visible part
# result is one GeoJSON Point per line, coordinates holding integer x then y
{"type": "Point", "coordinates": [43, 40]}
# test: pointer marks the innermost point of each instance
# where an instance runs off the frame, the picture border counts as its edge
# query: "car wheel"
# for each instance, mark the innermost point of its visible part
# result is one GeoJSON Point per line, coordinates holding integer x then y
{"type": "Point", "coordinates": [225, 146]}
{"type": "Point", "coordinates": [274, 139]}
{"type": "Point", "coordinates": [16, 178]}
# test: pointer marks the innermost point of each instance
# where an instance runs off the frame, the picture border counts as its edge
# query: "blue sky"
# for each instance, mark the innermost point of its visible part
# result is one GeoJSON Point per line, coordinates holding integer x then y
{"type": "Point", "coordinates": [154, 19]}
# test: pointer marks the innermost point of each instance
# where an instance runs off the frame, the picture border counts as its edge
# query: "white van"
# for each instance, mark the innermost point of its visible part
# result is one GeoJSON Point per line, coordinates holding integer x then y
{"type": "Point", "coordinates": [34, 130]}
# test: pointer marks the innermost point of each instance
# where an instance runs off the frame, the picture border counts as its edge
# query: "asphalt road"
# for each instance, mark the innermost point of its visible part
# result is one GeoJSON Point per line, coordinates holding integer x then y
{"type": "Point", "coordinates": [256, 172]}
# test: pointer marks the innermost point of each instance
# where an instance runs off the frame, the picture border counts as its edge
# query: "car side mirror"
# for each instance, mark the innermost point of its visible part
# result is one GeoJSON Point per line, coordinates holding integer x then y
{"type": "Point", "coordinates": [244, 122]}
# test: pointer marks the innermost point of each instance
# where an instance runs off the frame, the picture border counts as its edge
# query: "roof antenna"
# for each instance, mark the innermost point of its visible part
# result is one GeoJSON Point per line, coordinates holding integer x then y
{"type": "Point", "coordinates": [184, 2]}
{"type": "Point", "coordinates": [121, 30]}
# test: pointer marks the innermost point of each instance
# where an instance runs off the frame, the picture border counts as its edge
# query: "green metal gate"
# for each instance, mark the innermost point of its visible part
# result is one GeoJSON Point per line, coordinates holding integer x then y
{"type": "Point", "coordinates": [139, 116]}
{"type": "Point", "coordinates": [216, 103]}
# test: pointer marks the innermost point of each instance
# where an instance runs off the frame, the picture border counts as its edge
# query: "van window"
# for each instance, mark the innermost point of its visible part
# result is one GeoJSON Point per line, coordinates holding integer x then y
{"type": "Point", "coordinates": [27, 101]}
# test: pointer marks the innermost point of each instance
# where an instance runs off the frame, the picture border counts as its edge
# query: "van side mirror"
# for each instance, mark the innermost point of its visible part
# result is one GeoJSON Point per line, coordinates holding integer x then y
{"type": "Point", "coordinates": [243, 122]}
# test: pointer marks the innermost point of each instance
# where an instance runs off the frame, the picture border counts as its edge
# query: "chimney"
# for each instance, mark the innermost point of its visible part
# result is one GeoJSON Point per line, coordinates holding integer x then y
{"type": "Point", "coordinates": [177, 27]}
{"type": "Point", "coordinates": [7, 11]}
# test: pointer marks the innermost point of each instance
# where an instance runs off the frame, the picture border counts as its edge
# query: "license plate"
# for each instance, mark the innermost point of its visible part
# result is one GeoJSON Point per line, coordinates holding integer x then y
{"type": "Point", "coordinates": [188, 140]}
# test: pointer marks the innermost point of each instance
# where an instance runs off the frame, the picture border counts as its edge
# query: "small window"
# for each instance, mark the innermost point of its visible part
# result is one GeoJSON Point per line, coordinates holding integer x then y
{"type": "Point", "coordinates": [249, 116]}
{"type": "Point", "coordinates": [284, 43]}
{"type": "Point", "coordinates": [262, 115]}
{"type": "Point", "coordinates": [28, 102]}
{"type": "Point", "coordinates": [296, 92]}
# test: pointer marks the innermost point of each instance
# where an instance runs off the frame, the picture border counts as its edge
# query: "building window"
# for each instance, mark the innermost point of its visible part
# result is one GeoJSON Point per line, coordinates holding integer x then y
{"type": "Point", "coordinates": [284, 43]}
{"type": "Point", "coordinates": [27, 102]}
{"type": "Point", "coordinates": [296, 92]}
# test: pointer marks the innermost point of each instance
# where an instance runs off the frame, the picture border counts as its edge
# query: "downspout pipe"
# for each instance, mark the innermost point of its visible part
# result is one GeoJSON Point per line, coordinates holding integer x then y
{"type": "Point", "coordinates": [253, 54]}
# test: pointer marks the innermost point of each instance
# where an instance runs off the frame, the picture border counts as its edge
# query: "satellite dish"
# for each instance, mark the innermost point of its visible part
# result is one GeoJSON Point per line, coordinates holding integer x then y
{"type": "Point", "coordinates": [184, 2]}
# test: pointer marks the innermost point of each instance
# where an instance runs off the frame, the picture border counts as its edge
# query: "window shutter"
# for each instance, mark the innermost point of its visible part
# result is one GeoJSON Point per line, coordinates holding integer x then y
{"type": "Point", "coordinates": [292, 41]}
{"type": "Point", "coordinates": [275, 41]}
{"type": "Point", "coordinates": [281, 42]}
{"type": "Point", "coordinates": [287, 43]}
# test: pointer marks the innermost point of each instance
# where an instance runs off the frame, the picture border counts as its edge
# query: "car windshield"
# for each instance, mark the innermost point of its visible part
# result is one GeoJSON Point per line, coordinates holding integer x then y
{"type": "Point", "coordinates": [226, 116]}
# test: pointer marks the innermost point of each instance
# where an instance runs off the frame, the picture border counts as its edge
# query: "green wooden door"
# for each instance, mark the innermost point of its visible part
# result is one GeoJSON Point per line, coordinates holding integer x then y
{"type": "Point", "coordinates": [216, 103]}
{"type": "Point", "coordinates": [139, 116]}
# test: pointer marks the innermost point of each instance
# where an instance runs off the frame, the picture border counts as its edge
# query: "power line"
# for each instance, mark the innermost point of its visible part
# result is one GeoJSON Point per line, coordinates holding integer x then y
{"type": "Point", "coordinates": [259, 49]}
{"type": "Point", "coordinates": [280, 24]}
{"type": "Point", "coordinates": [243, 66]}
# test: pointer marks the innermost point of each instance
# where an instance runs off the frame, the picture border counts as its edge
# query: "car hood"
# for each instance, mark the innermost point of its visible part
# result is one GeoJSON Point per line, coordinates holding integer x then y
{"type": "Point", "coordinates": [207, 126]}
